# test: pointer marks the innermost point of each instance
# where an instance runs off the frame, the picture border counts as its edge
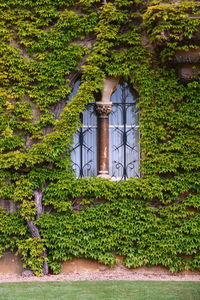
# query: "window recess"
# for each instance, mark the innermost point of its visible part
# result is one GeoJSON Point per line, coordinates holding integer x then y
{"type": "Point", "coordinates": [107, 144]}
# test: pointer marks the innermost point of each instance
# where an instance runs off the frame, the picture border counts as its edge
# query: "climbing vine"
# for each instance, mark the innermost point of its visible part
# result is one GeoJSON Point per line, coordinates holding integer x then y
{"type": "Point", "coordinates": [45, 46]}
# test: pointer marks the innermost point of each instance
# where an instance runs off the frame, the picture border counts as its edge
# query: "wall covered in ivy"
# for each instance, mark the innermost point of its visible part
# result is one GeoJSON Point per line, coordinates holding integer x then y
{"type": "Point", "coordinates": [45, 46]}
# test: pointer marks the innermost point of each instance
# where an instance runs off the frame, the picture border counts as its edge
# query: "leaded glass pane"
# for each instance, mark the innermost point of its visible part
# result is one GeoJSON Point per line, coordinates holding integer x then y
{"type": "Point", "coordinates": [83, 155]}
{"type": "Point", "coordinates": [124, 152]}
{"type": "Point", "coordinates": [123, 134]}
{"type": "Point", "coordinates": [84, 148]}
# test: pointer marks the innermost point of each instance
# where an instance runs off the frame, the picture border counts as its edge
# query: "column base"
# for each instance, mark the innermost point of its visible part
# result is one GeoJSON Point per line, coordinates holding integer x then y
{"type": "Point", "coordinates": [104, 174]}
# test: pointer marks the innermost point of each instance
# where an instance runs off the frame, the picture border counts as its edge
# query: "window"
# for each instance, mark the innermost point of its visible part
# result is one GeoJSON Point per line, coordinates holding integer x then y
{"type": "Point", "coordinates": [84, 150]}
{"type": "Point", "coordinates": [108, 141]}
{"type": "Point", "coordinates": [124, 134]}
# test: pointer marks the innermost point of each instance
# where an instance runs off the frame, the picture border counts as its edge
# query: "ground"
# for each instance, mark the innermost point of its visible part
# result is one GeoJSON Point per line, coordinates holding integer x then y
{"type": "Point", "coordinates": [112, 275]}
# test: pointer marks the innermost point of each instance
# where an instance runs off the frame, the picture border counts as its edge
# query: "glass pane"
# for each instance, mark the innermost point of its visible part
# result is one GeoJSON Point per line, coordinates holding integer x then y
{"type": "Point", "coordinates": [74, 91]}
{"type": "Point", "coordinates": [116, 117]}
{"type": "Point", "coordinates": [83, 155]}
{"type": "Point", "coordinates": [123, 93]}
{"type": "Point", "coordinates": [124, 134]}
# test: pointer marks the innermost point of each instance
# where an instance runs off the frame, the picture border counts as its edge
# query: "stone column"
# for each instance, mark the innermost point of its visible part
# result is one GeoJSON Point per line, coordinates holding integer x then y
{"type": "Point", "coordinates": [103, 110]}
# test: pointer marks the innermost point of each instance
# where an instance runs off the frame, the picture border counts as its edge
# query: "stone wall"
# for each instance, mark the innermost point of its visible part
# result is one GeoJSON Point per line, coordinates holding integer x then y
{"type": "Point", "coordinates": [11, 264]}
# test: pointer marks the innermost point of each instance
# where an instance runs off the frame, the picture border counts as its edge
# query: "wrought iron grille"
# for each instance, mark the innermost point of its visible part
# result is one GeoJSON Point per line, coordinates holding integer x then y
{"type": "Point", "coordinates": [84, 149]}
{"type": "Point", "coordinates": [124, 152]}
{"type": "Point", "coordinates": [124, 134]}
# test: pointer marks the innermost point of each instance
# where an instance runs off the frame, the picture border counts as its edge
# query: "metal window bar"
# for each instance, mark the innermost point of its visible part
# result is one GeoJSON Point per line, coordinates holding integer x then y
{"type": "Point", "coordinates": [124, 135]}
{"type": "Point", "coordinates": [83, 153]}
{"type": "Point", "coordinates": [123, 138]}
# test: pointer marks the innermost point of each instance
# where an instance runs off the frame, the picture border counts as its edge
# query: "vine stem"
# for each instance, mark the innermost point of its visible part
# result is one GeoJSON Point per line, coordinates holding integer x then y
{"type": "Point", "coordinates": [34, 229]}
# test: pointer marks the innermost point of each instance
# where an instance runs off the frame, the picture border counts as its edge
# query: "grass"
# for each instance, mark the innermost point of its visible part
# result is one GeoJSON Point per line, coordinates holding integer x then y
{"type": "Point", "coordinates": [101, 290]}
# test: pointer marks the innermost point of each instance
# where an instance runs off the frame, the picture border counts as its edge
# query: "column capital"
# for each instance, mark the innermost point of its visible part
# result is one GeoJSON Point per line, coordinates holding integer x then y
{"type": "Point", "coordinates": [103, 109]}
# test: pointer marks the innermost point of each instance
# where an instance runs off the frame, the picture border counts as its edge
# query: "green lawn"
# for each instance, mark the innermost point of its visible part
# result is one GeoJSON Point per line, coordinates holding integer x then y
{"type": "Point", "coordinates": [104, 290]}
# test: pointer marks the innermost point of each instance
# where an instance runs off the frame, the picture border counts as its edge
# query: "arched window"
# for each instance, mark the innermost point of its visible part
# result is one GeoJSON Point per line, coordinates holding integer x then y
{"type": "Point", "coordinates": [122, 139]}
{"type": "Point", "coordinates": [83, 155]}
{"type": "Point", "coordinates": [124, 134]}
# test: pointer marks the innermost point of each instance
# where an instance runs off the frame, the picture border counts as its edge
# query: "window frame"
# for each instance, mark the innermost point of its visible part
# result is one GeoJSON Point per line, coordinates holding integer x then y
{"type": "Point", "coordinates": [104, 111]}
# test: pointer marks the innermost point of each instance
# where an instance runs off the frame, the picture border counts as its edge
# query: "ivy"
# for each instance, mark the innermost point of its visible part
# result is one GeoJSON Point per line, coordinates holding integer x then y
{"type": "Point", "coordinates": [45, 47]}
